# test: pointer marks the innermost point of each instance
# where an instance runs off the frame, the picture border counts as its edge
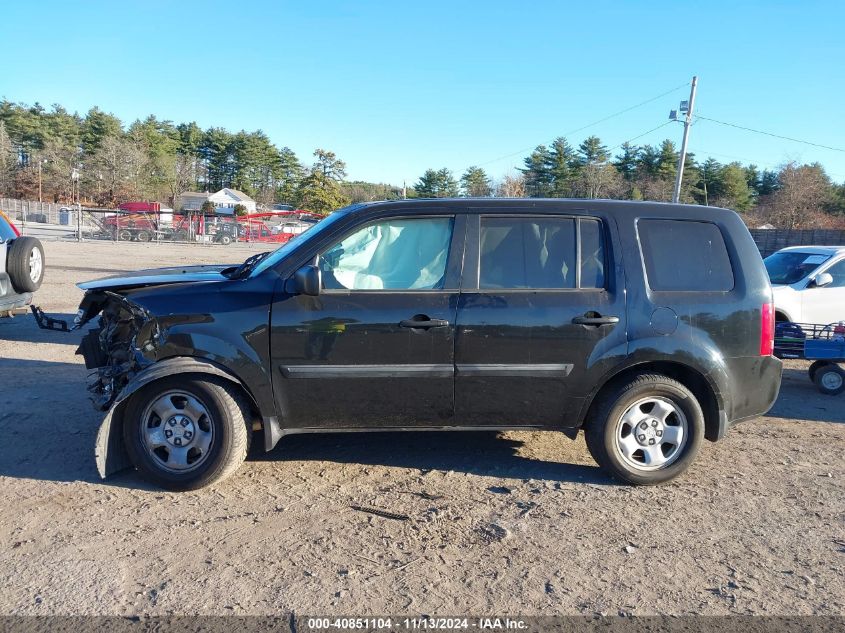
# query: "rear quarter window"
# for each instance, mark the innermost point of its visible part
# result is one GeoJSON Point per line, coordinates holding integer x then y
{"type": "Point", "coordinates": [685, 255]}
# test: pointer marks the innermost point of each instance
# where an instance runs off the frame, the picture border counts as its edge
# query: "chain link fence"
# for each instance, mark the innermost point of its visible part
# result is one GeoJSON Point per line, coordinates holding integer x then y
{"type": "Point", "coordinates": [71, 222]}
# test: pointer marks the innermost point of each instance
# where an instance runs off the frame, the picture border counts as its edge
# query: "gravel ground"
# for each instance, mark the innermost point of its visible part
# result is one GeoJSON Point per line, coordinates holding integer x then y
{"type": "Point", "coordinates": [520, 522]}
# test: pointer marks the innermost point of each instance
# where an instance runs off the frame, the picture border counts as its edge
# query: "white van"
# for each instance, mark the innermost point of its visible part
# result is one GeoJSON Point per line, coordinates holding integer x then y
{"type": "Point", "coordinates": [808, 283]}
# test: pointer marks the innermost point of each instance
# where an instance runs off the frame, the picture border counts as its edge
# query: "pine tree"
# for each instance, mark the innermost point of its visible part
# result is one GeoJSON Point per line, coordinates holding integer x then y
{"type": "Point", "coordinates": [627, 161]}
{"type": "Point", "coordinates": [735, 191]}
{"type": "Point", "coordinates": [562, 169]}
{"type": "Point", "coordinates": [667, 162]}
{"type": "Point", "coordinates": [752, 178]}
{"type": "Point", "coordinates": [538, 177]}
{"type": "Point", "coordinates": [476, 183]}
{"type": "Point", "coordinates": [711, 180]}
{"type": "Point", "coordinates": [8, 160]}
{"type": "Point", "coordinates": [591, 151]}
{"type": "Point", "coordinates": [436, 184]}
{"type": "Point", "coordinates": [289, 173]}
{"type": "Point", "coordinates": [97, 127]}
{"type": "Point", "coordinates": [769, 182]}
{"type": "Point", "coordinates": [320, 190]}
{"type": "Point", "coordinates": [649, 160]}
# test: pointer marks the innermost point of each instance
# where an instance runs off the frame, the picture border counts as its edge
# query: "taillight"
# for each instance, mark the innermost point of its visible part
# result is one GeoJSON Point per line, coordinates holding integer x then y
{"type": "Point", "coordinates": [767, 329]}
{"type": "Point", "coordinates": [11, 224]}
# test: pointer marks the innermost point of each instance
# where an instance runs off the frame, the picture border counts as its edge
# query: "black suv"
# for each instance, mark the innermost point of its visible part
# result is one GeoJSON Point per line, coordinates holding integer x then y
{"type": "Point", "coordinates": [649, 326]}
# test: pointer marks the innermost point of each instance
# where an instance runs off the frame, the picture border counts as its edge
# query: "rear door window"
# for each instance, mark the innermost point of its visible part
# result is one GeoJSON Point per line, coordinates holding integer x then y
{"type": "Point", "coordinates": [540, 253]}
{"type": "Point", "coordinates": [685, 255]}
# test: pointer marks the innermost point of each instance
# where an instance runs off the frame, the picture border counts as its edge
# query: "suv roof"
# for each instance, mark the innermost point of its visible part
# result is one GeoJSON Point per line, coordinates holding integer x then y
{"type": "Point", "coordinates": [632, 207]}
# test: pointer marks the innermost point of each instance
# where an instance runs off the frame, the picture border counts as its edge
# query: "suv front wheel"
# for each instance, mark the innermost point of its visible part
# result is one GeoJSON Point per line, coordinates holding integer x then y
{"type": "Point", "coordinates": [646, 430]}
{"type": "Point", "coordinates": [185, 432]}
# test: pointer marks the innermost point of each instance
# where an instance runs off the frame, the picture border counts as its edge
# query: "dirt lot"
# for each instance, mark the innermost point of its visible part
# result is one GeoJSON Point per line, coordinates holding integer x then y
{"type": "Point", "coordinates": [517, 522]}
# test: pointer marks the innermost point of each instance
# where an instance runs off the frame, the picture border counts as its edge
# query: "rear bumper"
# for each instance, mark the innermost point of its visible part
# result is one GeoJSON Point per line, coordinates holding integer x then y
{"type": "Point", "coordinates": [12, 300]}
{"type": "Point", "coordinates": [754, 388]}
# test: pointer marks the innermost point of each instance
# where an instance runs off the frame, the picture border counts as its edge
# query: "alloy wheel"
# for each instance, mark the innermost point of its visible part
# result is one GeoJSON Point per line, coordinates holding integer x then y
{"type": "Point", "coordinates": [177, 431]}
{"type": "Point", "coordinates": [652, 433]}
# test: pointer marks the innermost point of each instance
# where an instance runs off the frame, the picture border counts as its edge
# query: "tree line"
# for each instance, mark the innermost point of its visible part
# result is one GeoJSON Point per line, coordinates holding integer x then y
{"type": "Point", "coordinates": [153, 159]}
{"type": "Point", "coordinates": [793, 196]}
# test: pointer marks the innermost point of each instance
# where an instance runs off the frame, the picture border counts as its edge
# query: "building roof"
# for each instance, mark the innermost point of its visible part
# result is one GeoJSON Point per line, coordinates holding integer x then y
{"type": "Point", "coordinates": [240, 194]}
{"type": "Point", "coordinates": [232, 193]}
{"type": "Point", "coordinates": [193, 194]}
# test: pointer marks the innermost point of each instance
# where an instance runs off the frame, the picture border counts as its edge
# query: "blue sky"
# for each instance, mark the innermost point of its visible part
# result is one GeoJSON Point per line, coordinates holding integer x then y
{"type": "Point", "coordinates": [396, 87]}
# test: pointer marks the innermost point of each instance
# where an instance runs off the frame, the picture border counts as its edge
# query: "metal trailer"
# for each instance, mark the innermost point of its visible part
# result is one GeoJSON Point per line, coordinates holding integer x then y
{"type": "Point", "coordinates": [822, 344]}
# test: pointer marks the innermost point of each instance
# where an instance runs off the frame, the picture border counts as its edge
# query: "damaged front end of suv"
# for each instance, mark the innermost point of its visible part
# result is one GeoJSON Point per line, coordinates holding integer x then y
{"type": "Point", "coordinates": [178, 362]}
{"type": "Point", "coordinates": [121, 346]}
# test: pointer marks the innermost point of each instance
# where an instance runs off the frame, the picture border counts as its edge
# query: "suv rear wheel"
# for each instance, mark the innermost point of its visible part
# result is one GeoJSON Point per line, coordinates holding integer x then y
{"type": "Point", "coordinates": [186, 432]}
{"type": "Point", "coordinates": [647, 430]}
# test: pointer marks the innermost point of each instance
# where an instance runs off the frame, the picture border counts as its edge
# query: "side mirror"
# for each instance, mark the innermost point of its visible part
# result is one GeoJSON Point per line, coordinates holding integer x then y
{"type": "Point", "coordinates": [305, 281]}
{"type": "Point", "coordinates": [822, 280]}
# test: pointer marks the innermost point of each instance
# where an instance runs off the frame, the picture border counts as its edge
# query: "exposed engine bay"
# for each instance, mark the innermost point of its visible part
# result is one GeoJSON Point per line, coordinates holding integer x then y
{"type": "Point", "coordinates": [116, 347]}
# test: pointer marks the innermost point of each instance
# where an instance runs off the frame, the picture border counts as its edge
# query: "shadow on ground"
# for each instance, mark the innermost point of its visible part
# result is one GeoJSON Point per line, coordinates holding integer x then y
{"type": "Point", "coordinates": [48, 427]}
{"type": "Point", "coordinates": [23, 329]}
{"type": "Point", "coordinates": [483, 453]}
{"type": "Point", "coordinates": [800, 400]}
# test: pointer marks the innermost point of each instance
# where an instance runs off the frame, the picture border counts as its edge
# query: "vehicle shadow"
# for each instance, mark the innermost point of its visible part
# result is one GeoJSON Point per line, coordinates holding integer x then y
{"type": "Point", "coordinates": [799, 399]}
{"type": "Point", "coordinates": [47, 425]}
{"type": "Point", "coordinates": [48, 428]}
{"type": "Point", "coordinates": [482, 453]}
{"type": "Point", "coordinates": [23, 329]}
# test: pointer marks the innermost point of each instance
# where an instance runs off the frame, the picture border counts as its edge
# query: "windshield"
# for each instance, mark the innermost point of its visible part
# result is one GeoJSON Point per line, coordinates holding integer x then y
{"type": "Point", "coordinates": [791, 266]}
{"type": "Point", "coordinates": [280, 253]}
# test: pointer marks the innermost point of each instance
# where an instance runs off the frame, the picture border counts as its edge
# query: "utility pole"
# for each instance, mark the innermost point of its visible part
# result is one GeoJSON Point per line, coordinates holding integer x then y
{"type": "Point", "coordinates": [687, 122]}
{"type": "Point", "coordinates": [74, 179]}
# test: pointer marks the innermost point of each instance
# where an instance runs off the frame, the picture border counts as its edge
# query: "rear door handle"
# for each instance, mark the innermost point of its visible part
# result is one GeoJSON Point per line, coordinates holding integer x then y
{"type": "Point", "coordinates": [423, 322]}
{"type": "Point", "coordinates": [599, 320]}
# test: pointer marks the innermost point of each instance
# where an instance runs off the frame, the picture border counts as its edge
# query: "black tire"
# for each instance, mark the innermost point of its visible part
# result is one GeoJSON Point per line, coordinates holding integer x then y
{"type": "Point", "coordinates": [228, 418]}
{"type": "Point", "coordinates": [830, 379]}
{"type": "Point", "coordinates": [811, 371]}
{"type": "Point", "coordinates": [143, 236]}
{"type": "Point", "coordinates": [19, 259]}
{"type": "Point", "coordinates": [123, 235]}
{"type": "Point", "coordinates": [225, 240]}
{"type": "Point", "coordinates": [606, 421]}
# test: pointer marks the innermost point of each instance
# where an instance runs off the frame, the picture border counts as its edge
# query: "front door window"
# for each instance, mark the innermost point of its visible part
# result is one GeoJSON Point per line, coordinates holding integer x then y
{"type": "Point", "coordinates": [398, 254]}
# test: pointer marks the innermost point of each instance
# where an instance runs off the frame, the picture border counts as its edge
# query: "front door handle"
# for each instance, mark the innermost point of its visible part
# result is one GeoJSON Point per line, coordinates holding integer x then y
{"type": "Point", "coordinates": [595, 320]}
{"type": "Point", "coordinates": [423, 322]}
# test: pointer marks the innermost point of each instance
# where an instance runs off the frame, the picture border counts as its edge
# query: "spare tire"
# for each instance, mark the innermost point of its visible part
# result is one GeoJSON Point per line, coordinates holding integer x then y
{"type": "Point", "coordinates": [25, 264]}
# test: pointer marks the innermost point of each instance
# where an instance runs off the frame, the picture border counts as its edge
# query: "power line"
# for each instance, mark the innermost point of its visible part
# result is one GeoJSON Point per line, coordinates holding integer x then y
{"type": "Point", "coordinates": [654, 129]}
{"type": "Point", "coordinates": [589, 125]}
{"type": "Point", "coordinates": [786, 138]}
